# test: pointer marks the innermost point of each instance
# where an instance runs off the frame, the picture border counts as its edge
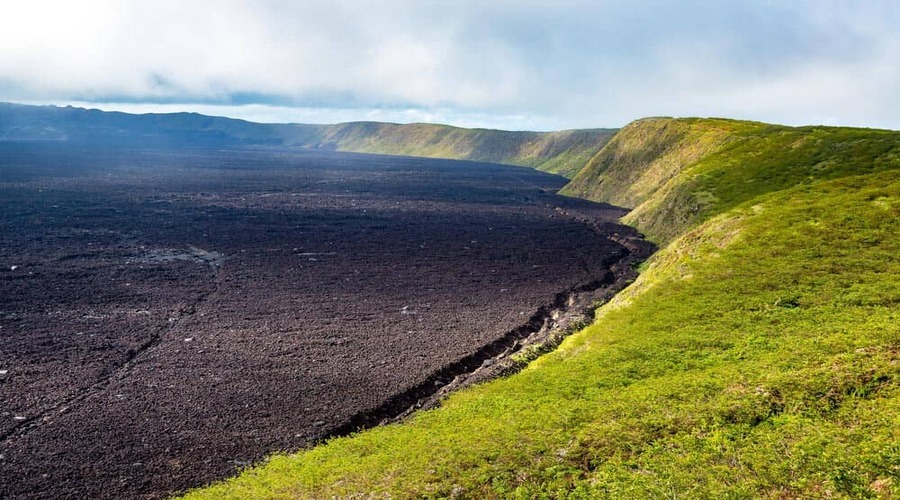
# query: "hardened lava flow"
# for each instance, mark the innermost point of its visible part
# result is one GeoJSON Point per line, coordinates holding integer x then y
{"type": "Point", "coordinates": [170, 316]}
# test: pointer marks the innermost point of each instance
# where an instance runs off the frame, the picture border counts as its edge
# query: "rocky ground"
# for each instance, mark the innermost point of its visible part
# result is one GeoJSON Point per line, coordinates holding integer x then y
{"type": "Point", "coordinates": [168, 317]}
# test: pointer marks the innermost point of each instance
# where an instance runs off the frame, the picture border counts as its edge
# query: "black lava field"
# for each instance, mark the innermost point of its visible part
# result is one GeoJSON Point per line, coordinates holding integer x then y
{"type": "Point", "coordinates": [168, 317]}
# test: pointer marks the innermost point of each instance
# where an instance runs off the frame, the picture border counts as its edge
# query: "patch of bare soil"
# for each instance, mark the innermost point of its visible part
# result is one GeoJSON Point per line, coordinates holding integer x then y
{"type": "Point", "coordinates": [168, 317]}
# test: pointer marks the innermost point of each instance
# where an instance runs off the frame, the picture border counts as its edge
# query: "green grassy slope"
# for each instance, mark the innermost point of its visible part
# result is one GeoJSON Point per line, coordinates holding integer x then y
{"type": "Point", "coordinates": [758, 353]}
{"type": "Point", "coordinates": [676, 173]}
{"type": "Point", "coordinates": [563, 152]}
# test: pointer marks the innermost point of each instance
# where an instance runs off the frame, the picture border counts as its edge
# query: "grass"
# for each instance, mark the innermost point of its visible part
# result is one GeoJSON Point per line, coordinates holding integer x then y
{"type": "Point", "coordinates": [677, 173]}
{"type": "Point", "coordinates": [757, 355]}
{"type": "Point", "coordinates": [648, 153]}
{"type": "Point", "coordinates": [563, 152]}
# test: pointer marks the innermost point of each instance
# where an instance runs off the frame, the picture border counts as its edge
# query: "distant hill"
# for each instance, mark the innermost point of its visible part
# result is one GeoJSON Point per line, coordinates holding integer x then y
{"type": "Point", "coordinates": [563, 152]}
{"type": "Point", "coordinates": [52, 123]}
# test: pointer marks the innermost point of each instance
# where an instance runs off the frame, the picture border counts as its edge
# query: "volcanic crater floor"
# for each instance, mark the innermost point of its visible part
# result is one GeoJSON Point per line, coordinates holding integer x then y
{"type": "Point", "coordinates": [169, 317]}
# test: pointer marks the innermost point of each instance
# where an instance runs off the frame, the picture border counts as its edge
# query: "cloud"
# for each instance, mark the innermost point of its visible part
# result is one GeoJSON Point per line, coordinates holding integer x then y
{"type": "Point", "coordinates": [500, 63]}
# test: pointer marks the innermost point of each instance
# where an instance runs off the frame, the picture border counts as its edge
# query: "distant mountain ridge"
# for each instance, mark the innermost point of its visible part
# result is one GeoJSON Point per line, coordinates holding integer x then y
{"type": "Point", "coordinates": [563, 152]}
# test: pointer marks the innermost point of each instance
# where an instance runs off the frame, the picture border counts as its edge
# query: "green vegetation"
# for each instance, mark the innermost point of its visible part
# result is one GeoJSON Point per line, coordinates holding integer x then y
{"type": "Point", "coordinates": [758, 353]}
{"type": "Point", "coordinates": [563, 152]}
{"type": "Point", "coordinates": [677, 173]}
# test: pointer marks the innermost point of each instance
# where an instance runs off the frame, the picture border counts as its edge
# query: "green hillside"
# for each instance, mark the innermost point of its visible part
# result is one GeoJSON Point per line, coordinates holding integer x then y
{"type": "Point", "coordinates": [676, 173]}
{"type": "Point", "coordinates": [563, 152]}
{"type": "Point", "coordinates": [757, 355]}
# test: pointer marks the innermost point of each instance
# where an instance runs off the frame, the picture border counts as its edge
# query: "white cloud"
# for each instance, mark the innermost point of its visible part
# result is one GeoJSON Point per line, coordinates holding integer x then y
{"type": "Point", "coordinates": [501, 63]}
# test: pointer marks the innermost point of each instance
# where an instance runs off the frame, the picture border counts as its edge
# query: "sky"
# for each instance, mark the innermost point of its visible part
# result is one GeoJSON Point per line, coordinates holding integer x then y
{"type": "Point", "coordinates": [509, 64]}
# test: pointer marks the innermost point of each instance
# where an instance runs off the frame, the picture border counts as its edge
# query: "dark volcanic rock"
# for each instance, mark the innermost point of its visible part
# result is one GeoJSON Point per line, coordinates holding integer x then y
{"type": "Point", "coordinates": [167, 317]}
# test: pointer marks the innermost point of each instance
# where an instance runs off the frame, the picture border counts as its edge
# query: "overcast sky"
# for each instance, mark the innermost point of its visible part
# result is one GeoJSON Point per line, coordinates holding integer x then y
{"type": "Point", "coordinates": [514, 64]}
